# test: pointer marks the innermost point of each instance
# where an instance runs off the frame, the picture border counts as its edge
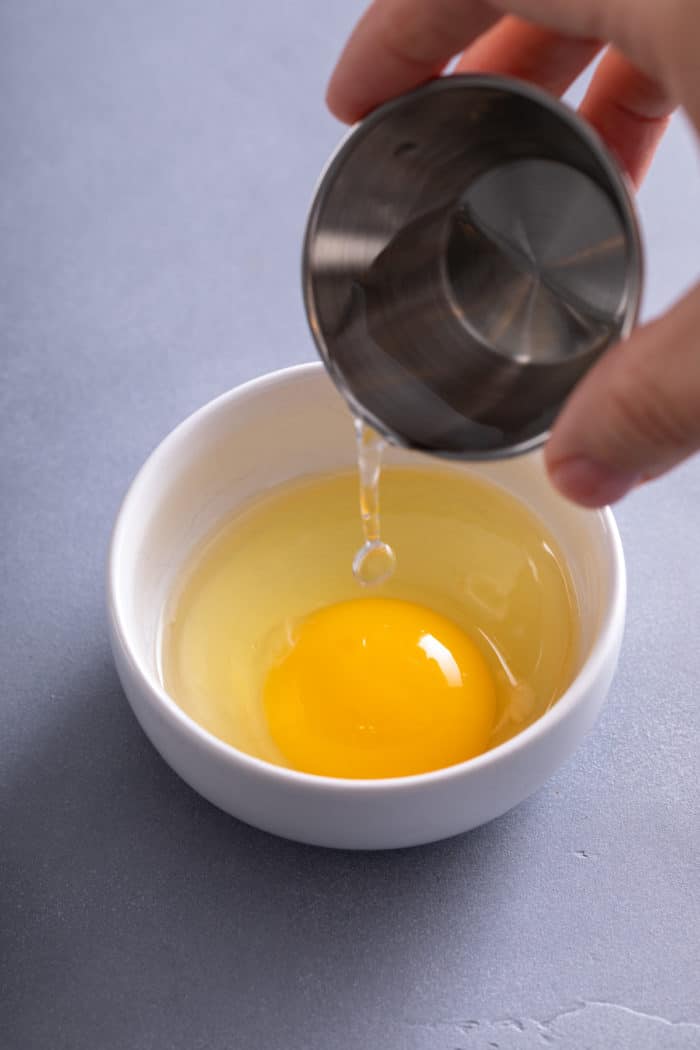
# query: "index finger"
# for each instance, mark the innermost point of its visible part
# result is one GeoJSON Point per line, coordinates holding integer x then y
{"type": "Point", "coordinates": [399, 44]}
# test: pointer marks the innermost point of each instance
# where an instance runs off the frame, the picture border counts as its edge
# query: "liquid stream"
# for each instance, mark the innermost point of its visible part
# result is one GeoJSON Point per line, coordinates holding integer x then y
{"type": "Point", "coordinates": [375, 561]}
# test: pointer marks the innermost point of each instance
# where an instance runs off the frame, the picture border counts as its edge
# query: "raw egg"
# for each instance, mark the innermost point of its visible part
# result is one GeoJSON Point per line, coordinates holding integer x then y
{"type": "Point", "coordinates": [379, 687]}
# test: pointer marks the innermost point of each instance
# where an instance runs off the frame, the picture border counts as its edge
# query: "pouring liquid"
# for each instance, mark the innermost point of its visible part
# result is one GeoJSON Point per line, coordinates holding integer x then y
{"type": "Point", "coordinates": [375, 561]}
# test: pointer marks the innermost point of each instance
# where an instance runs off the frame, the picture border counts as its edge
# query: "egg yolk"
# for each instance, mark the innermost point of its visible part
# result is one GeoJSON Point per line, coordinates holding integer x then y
{"type": "Point", "coordinates": [378, 687]}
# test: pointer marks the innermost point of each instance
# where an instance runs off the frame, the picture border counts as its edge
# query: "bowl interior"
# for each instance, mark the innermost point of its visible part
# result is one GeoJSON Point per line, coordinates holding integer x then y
{"type": "Point", "coordinates": [290, 425]}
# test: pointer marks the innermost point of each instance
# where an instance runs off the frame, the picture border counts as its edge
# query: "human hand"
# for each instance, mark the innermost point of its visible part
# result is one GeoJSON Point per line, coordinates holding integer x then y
{"type": "Point", "coordinates": [637, 413]}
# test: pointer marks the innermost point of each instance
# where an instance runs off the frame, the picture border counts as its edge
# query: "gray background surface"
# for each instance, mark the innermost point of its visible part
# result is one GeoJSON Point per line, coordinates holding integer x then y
{"type": "Point", "coordinates": [156, 162]}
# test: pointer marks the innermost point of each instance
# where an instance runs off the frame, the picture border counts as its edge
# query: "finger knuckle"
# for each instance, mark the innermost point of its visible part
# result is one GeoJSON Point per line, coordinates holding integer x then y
{"type": "Point", "coordinates": [422, 34]}
{"type": "Point", "coordinates": [645, 410]}
{"type": "Point", "coordinates": [406, 34]}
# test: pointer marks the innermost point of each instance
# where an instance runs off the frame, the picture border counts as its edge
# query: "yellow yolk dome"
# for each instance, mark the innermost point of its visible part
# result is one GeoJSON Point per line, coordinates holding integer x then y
{"type": "Point", "coordinates": [378, 687]}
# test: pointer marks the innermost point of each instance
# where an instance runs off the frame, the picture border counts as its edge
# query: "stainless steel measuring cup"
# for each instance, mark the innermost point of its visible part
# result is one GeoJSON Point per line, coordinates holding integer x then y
{"type": "Point", "coordinates": [471, 250]}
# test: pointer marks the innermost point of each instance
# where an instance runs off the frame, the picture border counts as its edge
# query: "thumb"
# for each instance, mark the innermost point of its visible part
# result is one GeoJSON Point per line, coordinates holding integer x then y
{"type": "Point", "coordinates": [635, 415]}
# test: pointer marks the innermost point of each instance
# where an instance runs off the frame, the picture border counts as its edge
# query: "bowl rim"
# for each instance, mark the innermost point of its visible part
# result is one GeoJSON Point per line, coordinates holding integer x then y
{"type": "Point", "coordinates": [609, 631]}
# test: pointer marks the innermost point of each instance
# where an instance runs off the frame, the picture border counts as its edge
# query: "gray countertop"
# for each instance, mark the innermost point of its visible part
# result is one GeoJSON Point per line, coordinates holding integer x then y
{"type": "Point", "coordinates": [156, 164]}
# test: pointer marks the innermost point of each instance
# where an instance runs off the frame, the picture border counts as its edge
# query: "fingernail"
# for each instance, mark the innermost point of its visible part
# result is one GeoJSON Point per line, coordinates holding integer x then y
{"type": "Point", "coordinates": [590, 483]}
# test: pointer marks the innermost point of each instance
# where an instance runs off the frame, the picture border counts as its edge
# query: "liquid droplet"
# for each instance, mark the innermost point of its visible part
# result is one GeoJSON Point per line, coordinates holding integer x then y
{"type": "Point", "coordinates": [374, 563]}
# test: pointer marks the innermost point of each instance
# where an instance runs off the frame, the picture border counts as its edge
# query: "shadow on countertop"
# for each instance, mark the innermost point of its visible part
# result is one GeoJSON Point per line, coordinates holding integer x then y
{"type": "Point", "coordinates": [128, 899]}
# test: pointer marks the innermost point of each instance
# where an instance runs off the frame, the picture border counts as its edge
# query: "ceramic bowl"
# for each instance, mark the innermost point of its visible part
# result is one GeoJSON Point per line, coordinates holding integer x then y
{"type": "Point", "coordinates": [293, 424]}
